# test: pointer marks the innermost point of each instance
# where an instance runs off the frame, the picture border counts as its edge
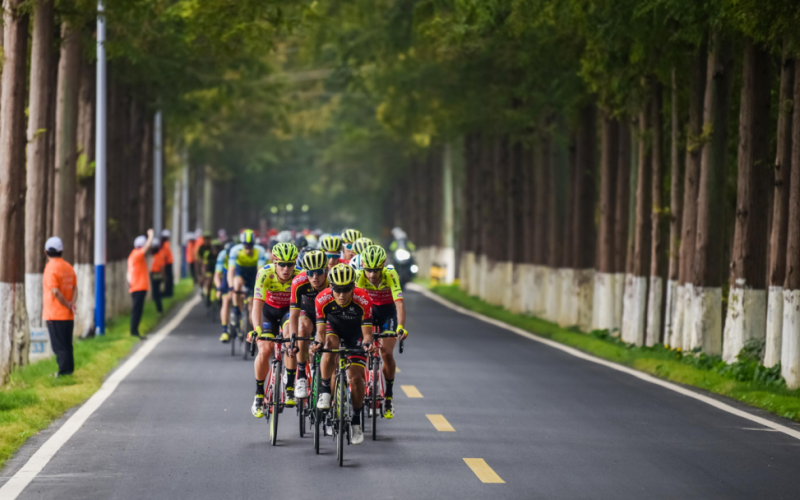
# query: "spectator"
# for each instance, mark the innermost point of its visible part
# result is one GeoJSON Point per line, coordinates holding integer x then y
{"type": "Point", "coordinates": [191, 251]}
{"type": "Point", "coordinates": [157, 274]}
{"type": "Point", "coordinates": [137, 279]}
{"type": "Point", "coordinates": [58, 301]}
{"type": "Point", "coordinates": [169, 277]}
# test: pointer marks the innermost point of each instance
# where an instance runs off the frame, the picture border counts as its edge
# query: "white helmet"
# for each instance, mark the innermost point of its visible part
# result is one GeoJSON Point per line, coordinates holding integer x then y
{"type": "Point", "coordinates": [355, 263]}
{"type": "Point", "coordinates": [285, 237]}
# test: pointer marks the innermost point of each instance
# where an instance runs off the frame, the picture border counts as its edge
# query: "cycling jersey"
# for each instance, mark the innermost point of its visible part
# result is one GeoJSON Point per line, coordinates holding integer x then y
{"type": "Point", "coordinates": [304, 294]}
{"type": "Point", "coordinates": [345, 322]}
{"type": "Point", "coordinates": [222, 262]}
{"type": "Point", "coordinates": [271, 291]}
{"type": "Point", "coordinates": [387, 291]}
{"type": "Point", "coordinates": [239, 258]}
{"type": "Point", "coordinates": [209, 259]}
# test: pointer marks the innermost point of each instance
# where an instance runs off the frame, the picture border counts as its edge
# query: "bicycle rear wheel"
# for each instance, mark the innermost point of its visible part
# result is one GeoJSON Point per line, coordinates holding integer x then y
{"type": "Point", "coordinates": [245, 329]}
{"type": "Point", "coordinates": [276, 401]}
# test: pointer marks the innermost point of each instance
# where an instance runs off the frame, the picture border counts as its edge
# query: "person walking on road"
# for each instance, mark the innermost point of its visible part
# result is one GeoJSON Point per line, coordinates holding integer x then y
{"type": "Point", "coordinates": [59, 298]}
{"type": "Point", "coordinates": [157, 274]}
{"type": "Point", "coordinates": [138, 281]}
{"type": "Point", "coordinates": [169, 277]}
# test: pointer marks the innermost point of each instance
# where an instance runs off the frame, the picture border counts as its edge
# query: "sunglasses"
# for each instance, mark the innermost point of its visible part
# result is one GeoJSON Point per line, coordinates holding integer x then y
{"type": "Point", "coordinates": [343, 289]}
{"type": "Point", "coordinates": [373, 270]}
{"type": "Point", "coordinates": [348, 246]}
{"type": "Point", "coordinates": [333, 256]}
{"type": "Point", "coordinates": [285, 264]}
{"type": "Point", "coordinates": [315, 272]}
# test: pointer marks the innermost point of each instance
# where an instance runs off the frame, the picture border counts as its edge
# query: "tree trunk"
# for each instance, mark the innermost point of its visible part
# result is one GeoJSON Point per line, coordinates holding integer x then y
{"type": "Point", "coordinates": [605, 304]}
{"type": "Point", "coordinates": [554, 238]}
{"type": "Point", "coordinates": [51, 141]}
{"type": "Point", "coordinates": [675, 213]}
{"type": "Point", "coordinates": [706, 331]}
{"type": "Point", "coordinates": [635, 306]}
{"type": "Point", "coordinates": [694, 143]}
{"type": "Point", "coordinates": [14, 320]}
{"type": "Point", "coordinates": [790, 349]}
{"type": "Point", "coordinates": [621, 216]}
{"type": "Point", "coordinates": [539, 273]}
{"type": "Point", "coordinates": [37, 158]}
{"type": "Point", "coordinates": [584, 232]}
{"type": "Point", "coordinates": [567, 310]}
{"type": "Point", "coordinates": [658, 226]}
{"type": "Point", "coordinates": [66, 138]}
{"type": "Point", "coordinates": [780, 213]}
{"type": "Point", "coordinates": [747, 302]}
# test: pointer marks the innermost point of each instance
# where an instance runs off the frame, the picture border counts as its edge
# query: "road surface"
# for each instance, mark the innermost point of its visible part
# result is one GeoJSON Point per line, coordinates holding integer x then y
{"type": "Point", "coordinates": [544, 423]}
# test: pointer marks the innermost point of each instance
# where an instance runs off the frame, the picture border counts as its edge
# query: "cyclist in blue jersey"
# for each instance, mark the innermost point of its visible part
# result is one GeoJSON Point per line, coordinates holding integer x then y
{"type": "Point", "coordinates": [244, 260]}
{"type": "Point", "coordinates": [221, 283]}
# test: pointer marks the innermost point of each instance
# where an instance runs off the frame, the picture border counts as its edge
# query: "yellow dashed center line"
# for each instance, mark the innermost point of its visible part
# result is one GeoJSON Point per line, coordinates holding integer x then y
{"type": "Point", "coordinates": [441, 423]}
{"type": "Point", "coordinates": [481, 469]}
{"type": "Point", "coordinates": [411, 391]}
{"type": "Point", "coordinates": [396, 369]}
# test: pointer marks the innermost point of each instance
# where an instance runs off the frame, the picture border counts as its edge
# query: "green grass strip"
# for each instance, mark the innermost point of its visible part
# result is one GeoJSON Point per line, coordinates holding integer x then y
{"type": "Point", "coordinates": [33, 398]}
{"type": "Point", "coordinates": [744, 381]}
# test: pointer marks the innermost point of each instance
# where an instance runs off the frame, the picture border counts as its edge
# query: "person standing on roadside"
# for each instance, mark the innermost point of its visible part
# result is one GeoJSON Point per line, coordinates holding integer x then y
{"type": "Point", "coordinates": [138, 281]}
{"type": "Point", "coordinates": [157, 273]}
{"type": "Point", "coordinates": [60, 296]}
{"type": "Point", "coordinates": [169, 277]}
{"type": "Point", "coordinates": [189, 256]}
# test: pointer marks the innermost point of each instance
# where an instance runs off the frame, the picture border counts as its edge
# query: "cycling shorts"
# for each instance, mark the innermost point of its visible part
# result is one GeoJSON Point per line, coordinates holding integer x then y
{"type": "Point", "coordinates": [350, 340]}
{"type": "Point", "coordinates": [385, 317]}
{"type": "Point", "coordinates": [248, 274]}
{"type": "Point", "coordinates": [308, 310]}
{"type": "Point", "coordinates": [274, 319]}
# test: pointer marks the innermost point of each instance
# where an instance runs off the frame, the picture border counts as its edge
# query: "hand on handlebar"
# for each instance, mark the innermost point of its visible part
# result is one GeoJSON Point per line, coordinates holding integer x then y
{"type": "Point", "coordinates": [402, 332]}
{"type": "Point", "coordinates": [316, 346]}
{"type": "Point", "coordinates": [369, 347]}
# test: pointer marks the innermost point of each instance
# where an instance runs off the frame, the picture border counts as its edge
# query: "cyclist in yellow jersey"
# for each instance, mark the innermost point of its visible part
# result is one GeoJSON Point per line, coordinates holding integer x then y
{"type": "Point", "coordinates": [349, 237]}
{"type": "Point", "coordinates": [388, 310]}
{"type": "Point", "coordinates": [221, 283]}
{"type": "Point", "coordinates": [244, 260]}
{"type": "Point", "coordinates": [271, 299]}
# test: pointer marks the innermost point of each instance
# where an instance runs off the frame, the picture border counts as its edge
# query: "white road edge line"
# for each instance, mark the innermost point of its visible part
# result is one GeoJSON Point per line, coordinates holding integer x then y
{"type": "Point", "coordinates": [19, 481]}
{"type": "Point", "coordinates": [614, 366]}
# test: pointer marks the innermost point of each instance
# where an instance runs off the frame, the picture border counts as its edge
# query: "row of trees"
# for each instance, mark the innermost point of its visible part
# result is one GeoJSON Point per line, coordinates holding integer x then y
{"type": "Point", "coordinates": [628, 165]}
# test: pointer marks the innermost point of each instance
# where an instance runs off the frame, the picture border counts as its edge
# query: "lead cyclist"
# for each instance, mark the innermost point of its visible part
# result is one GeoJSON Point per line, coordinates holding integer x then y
{"type": "Point", "coordinates": [244, 260]}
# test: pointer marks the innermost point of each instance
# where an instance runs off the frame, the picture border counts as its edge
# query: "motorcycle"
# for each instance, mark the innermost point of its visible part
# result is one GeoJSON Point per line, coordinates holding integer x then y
{"type": "Point", "coordinates": [404, 264]}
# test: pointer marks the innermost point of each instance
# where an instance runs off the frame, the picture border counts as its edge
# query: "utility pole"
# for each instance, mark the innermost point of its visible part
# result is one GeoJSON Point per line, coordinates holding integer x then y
{"type": "Point", "coordinates": [157, 176]}
{"type": "Point", "coordinates": [100, 180]}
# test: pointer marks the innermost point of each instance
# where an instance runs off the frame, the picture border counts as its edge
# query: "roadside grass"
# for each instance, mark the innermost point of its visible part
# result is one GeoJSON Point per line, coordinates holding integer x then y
{"type": "Point", "coordinates": [745, 380]}
{"type": "Point", "coordinates": [33, 398]}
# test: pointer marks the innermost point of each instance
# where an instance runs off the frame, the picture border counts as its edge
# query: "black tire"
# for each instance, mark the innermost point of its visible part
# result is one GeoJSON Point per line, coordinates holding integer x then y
{"type": "Point", "coordinates": [245, 330]}
{"type": "Point", "coordinates": [233, 343]}
{"type": "Point", "coordinates": [317, 414]}
{"type": "Point", "coordinates": [276, 401]}
{"type": "Point", "coordinates": [342, 409]}
{"type": "Point", "coordinates": [374, 403]}
{"type": "Point", "coordinates": [301, 404]}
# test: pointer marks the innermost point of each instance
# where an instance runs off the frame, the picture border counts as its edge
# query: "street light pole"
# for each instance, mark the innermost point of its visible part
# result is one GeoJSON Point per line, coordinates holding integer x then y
{"type": "Point", "coordinates": [157, 177]}
{"type": "Point", "coordinates": [100, 180]}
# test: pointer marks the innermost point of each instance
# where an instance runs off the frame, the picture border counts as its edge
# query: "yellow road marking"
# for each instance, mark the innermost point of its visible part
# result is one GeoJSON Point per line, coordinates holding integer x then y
{"type": "Point", "coordinates": [411, 391]}
{"type": "Point", "coordinates": [481, 469]}
{"type": "Point", "coordinates": [396, 369]}
{"type": "Point", "coordinates": [441, 423]}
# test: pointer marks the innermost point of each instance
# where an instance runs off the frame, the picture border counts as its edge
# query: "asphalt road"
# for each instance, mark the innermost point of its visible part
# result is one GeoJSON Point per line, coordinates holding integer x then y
{"type": "Point", "coordinates": [548, 424]}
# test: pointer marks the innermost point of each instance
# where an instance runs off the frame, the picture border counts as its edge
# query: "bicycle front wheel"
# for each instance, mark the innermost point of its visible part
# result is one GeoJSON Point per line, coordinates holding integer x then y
{"type": "Point", "coordinates": [341, 410]}
{"type": "Point", "coordinates": [301, 410]}
{"type": "Point", "coordinates": [245, 329]}
{"type": "Point", "coordinates": [374, 400]}
{"type": "Point", "coordinates": [275, 406]}
{"type": "Point", "coordinates": [316, 414]}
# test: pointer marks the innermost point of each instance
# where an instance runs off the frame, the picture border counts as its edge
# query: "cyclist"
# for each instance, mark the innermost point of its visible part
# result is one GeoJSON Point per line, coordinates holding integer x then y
{"type": "Point", "coordinates": [359, 246]}
{"type": "Point", "coordinates": [271, 315]}
{"type": "Point", "coordinates": [349, 236]}
{"type": "Point", "coordinates": [344, 318]}
{"type": "Point", "coordinates": [202, 243]}
{"type": "Point", "coordinates": [221, 283]}
{"type": "Point", "coordinates": [207, 255]}
{"type": "Point", "coordinates": [388, 310]}
{"type": "Point", "coordinates": [332, 246]}
{"type": "Point", "coordinates": [244, 260]}
{"type": "Point", "coordinates": [302, 313]}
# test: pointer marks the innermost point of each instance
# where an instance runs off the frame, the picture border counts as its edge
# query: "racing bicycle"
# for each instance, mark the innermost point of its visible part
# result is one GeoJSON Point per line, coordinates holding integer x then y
{"type": "Point", "coordinates": [374, 378]}
{"type": "Point", "coordinates": [241, 330]}
{"type": "Point", "coordinates": [274, 397]}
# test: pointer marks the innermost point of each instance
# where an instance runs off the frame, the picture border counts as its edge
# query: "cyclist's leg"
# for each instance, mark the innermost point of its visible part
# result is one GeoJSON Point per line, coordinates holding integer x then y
{"type": "Point", "coordinates": [262, 365]}
{"type": "Point", "coordinates": [387, 321]}
{"type": "Point", "coordinates": [328, 362]}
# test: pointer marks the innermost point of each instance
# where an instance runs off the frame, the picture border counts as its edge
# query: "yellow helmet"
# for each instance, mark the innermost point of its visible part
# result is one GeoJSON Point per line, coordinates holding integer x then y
{"type": "Point", "coordinates": [342, 275]}
{"type": "Point", "coordinates": [314, 260]}
{"type": "Point", "coordinates": [374, 257]}
{"type": "Point", "coordinates": [284, 252]}
{"type": "Point", "coordinates": [351, 235]}
{"type": "Point", "coordinates": [331, 244]}
{"type": "Point", "coordinates": [361, 244]}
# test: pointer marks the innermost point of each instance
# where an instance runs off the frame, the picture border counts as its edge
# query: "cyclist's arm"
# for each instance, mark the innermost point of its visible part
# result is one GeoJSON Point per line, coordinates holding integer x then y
{"type": "Point", "coordinates": [294, 320]}
{"type": "Point", "coordinates": [321, 333]}
{"type": "Point", "coordinates": [366, 332]}
{"type": "Point", "coordinates": [218, 279]}
{"type": "Point", "coordinates": [232, 265]}
{"type": "Point", "coordinates": [255, 316]}
{"type": "Point", "coordinates": [401, 311]}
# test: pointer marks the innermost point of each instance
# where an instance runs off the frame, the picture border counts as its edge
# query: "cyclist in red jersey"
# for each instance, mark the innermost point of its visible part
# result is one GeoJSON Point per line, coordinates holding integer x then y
{"type": "Point", "coordinates": [332, 246]}
{"type": "Point", "coordinates": [344, 318]}
{"type": "Point", "coordinates": [302, 312]}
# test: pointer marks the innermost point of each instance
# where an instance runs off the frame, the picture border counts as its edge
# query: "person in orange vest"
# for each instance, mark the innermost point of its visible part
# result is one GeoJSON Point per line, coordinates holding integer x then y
{"type": "Point", "coordinates": [60, 295]}
{"type": "Point", "coordinates": [157, 265]}
{"type": "Point", "coordinates": [169, 277]}
{"type": "Point", "coordinates": [138, 282]}
{"type": "Point", "coordinates": [191, 252]}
